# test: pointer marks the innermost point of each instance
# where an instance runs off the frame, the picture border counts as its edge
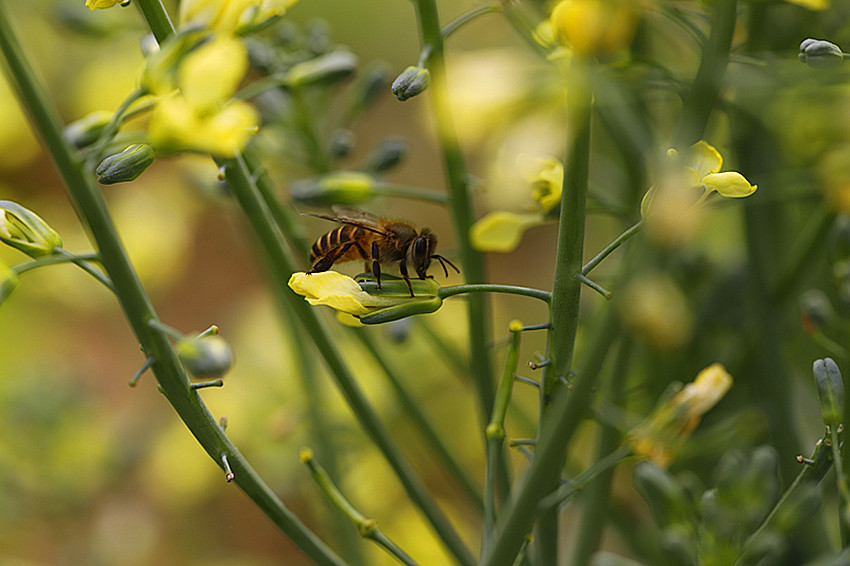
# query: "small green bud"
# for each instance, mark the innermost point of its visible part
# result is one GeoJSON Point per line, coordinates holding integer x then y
{"type": "Point", "coordinates": [830, 386]}
{"type": "Point", "coordinates": [338, 187]}
{"type": "Point", "coordinates": [205, 355]}
{"type": "Point", "coordinates": [820, 54]}
{"type": "Point", "coordinates": [8, 281]}
{"type": "Point", "coordinates": [329, 68]}
{"type": "Point", "coordinates": [341, 143]}
{"type": "Point", "coordinates": [86, 130]}
{"type": "Point", "coordinates": [412, 81]}
{"type": "Point", "coordinates": [387, 154]}
{"type": "Point", "coordinates": [125, 166]}
{"type": "Point", "coordinates": [25, 231]}
{"type": "Point", "coordinates": [373, 81]}
{"type": "Point", "coordinates": [816, 312]}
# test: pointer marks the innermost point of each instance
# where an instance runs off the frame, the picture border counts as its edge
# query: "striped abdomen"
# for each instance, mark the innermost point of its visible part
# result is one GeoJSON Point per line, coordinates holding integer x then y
{"type": "Point", "coordinates": [336, 238]}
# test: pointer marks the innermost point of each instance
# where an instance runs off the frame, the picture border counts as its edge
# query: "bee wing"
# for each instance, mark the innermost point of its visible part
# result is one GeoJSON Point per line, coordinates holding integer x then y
{"type": "Point", "coordinates": [368, 222]}
{"type": "Point", "coordinates": [357, 215]}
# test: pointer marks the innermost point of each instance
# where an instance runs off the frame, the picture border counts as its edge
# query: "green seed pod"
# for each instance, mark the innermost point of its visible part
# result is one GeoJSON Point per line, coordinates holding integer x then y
{"type": "Point", "coordinates": [412, 81]}
{"type": "Point", "coordinates": [25, 231]}
{"type": "Point", "coordinates": [205, 355]}
{"type": "Point", "coordinates": [329, 68]}
{"type": "Point", "coordinates": [125, 166]}
{"type": "Point", "coordinates": [820, 54]}
{"type": "Point", "coordinates": [830, 386]}
{"type": "Point", "coordinates": [338, 187]}
{"type": "Point", "coordinates": [387, 154]}
{"type": "Point", "coordinates": [414, 307]}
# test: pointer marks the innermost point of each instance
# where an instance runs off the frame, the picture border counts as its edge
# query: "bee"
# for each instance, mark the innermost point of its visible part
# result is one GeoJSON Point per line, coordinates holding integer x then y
{"type": "Point", "coordinates": [377, 241]}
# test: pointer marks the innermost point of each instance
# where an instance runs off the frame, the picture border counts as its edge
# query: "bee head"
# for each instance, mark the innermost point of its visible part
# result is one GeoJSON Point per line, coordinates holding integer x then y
{"type": "Point", "coordinates": [421, 251]}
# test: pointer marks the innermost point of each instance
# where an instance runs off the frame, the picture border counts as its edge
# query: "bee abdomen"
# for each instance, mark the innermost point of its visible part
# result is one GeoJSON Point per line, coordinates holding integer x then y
{"type": "Point", "coordinates": [332, 240]}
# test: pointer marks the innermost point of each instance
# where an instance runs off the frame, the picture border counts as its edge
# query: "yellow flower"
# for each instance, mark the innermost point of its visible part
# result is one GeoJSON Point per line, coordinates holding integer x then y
{"type": "Point", "coordinates": [546, 176]}
{"type": "Point", "coordinates": [101, 4]}
{"type": "Point", "coordinates": [811, 4]}
{"type": "Point", "coordinates": [501, 231]}
{"type": "Point", "coordinates": [231, 16]}
{"type": "Point", "coordinates": [346, 295]}
{"type": "Point", "coordinates": [201, 116]}
{"type": "Point", "coordinates": [670, 424]}
{"type": "Point", "coordinates": [671, 206]}
{"type": "Point", "coordinates": [654, 308]}
{"type": "Point", "coordinates": [595, 27]}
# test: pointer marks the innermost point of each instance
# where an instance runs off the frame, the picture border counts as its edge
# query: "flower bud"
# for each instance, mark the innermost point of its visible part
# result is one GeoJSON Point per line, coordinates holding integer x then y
{"type": "Point", "coordinates": [25, 231]}
{"type": "Point", "coordinates": [125, 166]}
{"type": "Point", "coordinates": [373, 81]}
{"type": "Point", "coordinates": [86, 130]}
{"type": "Point", "coordinates": [667, 499]}
{"type": "Point", "coordinates": [820, 54]}
{"type": "Point", "coordinates": [206, 355]}
{"type": "Point", "coordinates": [387, 154]}
{"type": "Point", "coordinates": [341, 143]}
{"type": "Point", "coordinates": [338, 187]}
{"type": "Point", "coordinates": [8, 281]}
{"type": "Point", "coordinates": [816, 312]}
{"type": "Point", "coordinates": [404, 310]}
{"type": "Point", "coordinates": [830, 386]}
{"type": "Point", "coordinates": [412, 81]}
{"type": "Point", "coordinates": [329, 68]}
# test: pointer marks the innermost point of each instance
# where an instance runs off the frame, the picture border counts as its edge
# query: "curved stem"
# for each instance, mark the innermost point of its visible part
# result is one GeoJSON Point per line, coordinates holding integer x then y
{"type": "Point", "coordinates": [467, 17]}
{"type": "Point", "coordinates": [453, 290]}
{"type": "Point", "coordinates": [634, 229]}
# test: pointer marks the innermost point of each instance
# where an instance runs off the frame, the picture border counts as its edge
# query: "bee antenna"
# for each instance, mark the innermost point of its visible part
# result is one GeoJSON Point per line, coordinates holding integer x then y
{"type": "Point", "coordinates": [443, 261]}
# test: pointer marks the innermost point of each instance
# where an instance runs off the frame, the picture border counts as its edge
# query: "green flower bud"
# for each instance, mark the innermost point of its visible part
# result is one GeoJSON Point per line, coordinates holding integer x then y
{"type": "Point", "coordinates": [410, 308]}
{"type": "Point", "coordinates": [339, 187]}
{"type": "Point", "coordinates": [125, 166]}
{"type": "Point", "coordinates": [205, 355]}
{"type": "Point", "coordinates": [830, 386]}
{"type": "Point", "coordinates": [387, 154]}
{"type": "Point", "coordinates": [329, 68]}
{"type": "Point", "coordinates": [816, 312]}
{"type": "Point", "coordinates": [8, 281]}
{"type": "Point", "coordinates": [341, 144]}
{"type": "Point", "coordinates": [25, 231]}
{"type": "Point", "coordinates": [374, 79]}
{"type": "Point", "coordinates": [86, 130]}
{"type": "Point", "coordinates": [820, 54]}
{"type": "Point", "coordinates": [412, 81]}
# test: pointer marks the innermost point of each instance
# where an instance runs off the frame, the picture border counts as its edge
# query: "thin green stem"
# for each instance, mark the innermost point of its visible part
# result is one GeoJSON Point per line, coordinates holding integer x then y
{"type": "Point", "coordinates": [108, 133]}
{"type": "Point", "coordinates": [634, 229]}
{"type": "Point", "coordinates": [136, 304]}
{"type": "Point", "coordinates": [402, 191]}
{"type": "Point", "coordinates": [472, 262]}
{"type": "Point", "coordinates": [467, 17]}
{"type": "Point", "coordinates": [426, 429]}
{"type": "Point", "coordinates": [453, 290]}
{"type": "Point", "coordinates": [61, 255]}
{"type": "Point", "coordinates": [843, 488]}
{"type": "Point", "coordinates": [281, 264]}
{"type": "Point", "coordinates": [157, 18]}
{"type": "Point", "coordinates": [601, 469]}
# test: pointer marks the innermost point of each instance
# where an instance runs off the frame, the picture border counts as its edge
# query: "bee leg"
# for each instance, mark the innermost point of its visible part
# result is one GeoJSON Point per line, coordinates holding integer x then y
{"type": "Point", "coordinates": [402, 267]}
{"type": "Point", "coordinates": [326, 261]}
{"type": "Point", "coordinates": [376, 264]}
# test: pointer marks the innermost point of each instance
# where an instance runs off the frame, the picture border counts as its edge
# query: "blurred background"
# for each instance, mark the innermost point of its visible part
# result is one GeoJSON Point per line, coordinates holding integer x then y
{"type": "Point", "coordinates": [94, 472]}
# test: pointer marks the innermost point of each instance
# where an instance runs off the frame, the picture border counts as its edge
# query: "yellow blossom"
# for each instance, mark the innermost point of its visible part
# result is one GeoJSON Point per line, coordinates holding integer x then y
{"type": "Point", "coordinates": [811, 4]}
{"type": "Point", "coordinates": [654, 308]}
{"type": "Point", "coordinates": [101, 4]}
{"type": "Point", "coordinates": [595, 27]}
{"type": "Point", "coordinates": [231, 16]}
{"type": "Point", "coordinates": [546, 176]}
{"type": "Point", "coordinates": [501, 231]}
{"type": "Point", "coordinates": [662, 433]}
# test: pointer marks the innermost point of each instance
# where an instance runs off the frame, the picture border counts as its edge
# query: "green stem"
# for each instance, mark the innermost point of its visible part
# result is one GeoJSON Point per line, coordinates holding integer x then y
{"type": "Point", "coordinates": [472, 262]}
{"type": "Point", "coordinates": [402, 191]}
{"type": "Point", "coordinates": [467, 17]}
{"type": "Point", "coordinates": [412, 410]}
{"type": "Point", "coordinates": [601, 469]}
{"type": "Point", "coordinates": [453, 290]}
{"type": "Point", "coordinates": [60, 255]}
{"type": "Point", "coordinates": [281, 265]}
{"type": "Point", "coordinates": [157, 19]}
{"type": "Point", "coordinates": [561, 421]}
{"type": "Point", "coordinates": [566, 289]}
{"type": "Point", "coordinates": [136, 304]}
{"type": "Point", "coordinates": [843, 488]}
{"type": "Point", "coordinates": [634, 229]}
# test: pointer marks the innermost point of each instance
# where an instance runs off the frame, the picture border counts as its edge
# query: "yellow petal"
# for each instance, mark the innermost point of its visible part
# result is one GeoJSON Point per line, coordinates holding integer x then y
{"type": "Point", "coordinates": [710, 385]}
{"type": "Point", "coordinates": [210, 74]}
{"type": "Point", "coordinates": [729, 184]}
{"type": "Point", "coordinates": [811, 4]}
{"type": "Point", "coordinates": [339, 292]}
{"type": "Point", "coordinates": [703, 158]}
{"type": "Point", "coordinates": [501, 231]}
{"type": "Point", "coordinates": [101, 4]}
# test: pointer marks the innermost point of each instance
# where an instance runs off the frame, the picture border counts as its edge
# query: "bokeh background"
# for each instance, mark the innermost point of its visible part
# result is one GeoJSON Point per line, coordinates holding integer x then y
{"type": "Point", "coordinates": [94, 472]}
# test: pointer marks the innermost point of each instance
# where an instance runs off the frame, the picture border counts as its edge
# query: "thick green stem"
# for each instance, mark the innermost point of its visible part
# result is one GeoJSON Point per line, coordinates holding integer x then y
{"type": "Point", "coordinates": [566, 289]}
{"type": "Point", "coordinates": [137, 307]}
{"type": "Point", "coordinates": [157, 18]}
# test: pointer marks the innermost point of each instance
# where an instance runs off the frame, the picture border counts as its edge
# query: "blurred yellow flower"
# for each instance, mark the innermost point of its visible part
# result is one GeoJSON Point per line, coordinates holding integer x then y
{"type": "Point", "coordinates": [654, 308]}
{"type": "Point", "coordinates": [501, 231]}
{"type": "Point", "coordinates": [101, 4]}
{"type": "Point", "coordinates": [201, 116]}
{"type": "Point", "coordinates": [231, 16]}
{"type": "Point", "coordinates": [670, 424]}
{"type": "Point", "coordinates": [595, 27]}
{"type": "Point", "coordinates": [811, 4]}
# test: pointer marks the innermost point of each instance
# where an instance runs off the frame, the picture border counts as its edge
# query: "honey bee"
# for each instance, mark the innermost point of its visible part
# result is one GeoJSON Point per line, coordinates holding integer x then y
{"type": "Point", "coordinates": [377, 241]}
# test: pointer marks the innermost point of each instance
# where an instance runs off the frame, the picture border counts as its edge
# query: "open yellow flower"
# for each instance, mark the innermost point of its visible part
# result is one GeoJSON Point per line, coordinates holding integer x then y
{"type": "Point", "coordinates": [346, 296]}
{"type": "Point", "coordinates": [231, 16]}
{"type": "Point", "coordinates": [595, 27]}
{"type": "Point", "coordinates": [672, 422]}
{"type": "Point", "coordinates": [201, 115]}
